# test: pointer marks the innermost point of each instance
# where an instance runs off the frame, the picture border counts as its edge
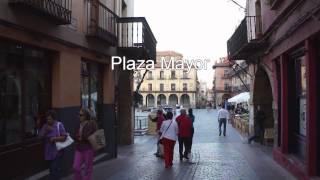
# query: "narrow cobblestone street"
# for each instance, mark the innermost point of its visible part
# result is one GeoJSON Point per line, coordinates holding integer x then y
{"type": "Point", "coordinates": [213, 157]}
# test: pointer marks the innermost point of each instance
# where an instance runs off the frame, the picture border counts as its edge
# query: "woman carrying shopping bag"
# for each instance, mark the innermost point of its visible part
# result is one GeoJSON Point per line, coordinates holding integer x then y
{"type": "Point", "coordinates": [84, 152]}
{"type": "Point", "coordinates": [169, 136]}
{"type": "Point", "coordinates": [53, 132]}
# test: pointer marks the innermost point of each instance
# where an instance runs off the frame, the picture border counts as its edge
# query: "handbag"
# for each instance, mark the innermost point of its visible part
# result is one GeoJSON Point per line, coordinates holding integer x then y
{"type": "Point", "coordinates": [160, 139]}
{"type": "Point", "coordinates": [64, 144]}
{"type": "Point", "coordinates": [97, 139]}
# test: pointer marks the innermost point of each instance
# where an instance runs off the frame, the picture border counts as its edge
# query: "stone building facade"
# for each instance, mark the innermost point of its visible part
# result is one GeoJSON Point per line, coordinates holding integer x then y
{"type": "Point", "coordinates": [280, 40]}
{"type": "Point", "coordinates": [57, 55]}
{"type": "Point", "coordinates": [221, 82]}
{"type": "Point", "coordinates": [163, 87]}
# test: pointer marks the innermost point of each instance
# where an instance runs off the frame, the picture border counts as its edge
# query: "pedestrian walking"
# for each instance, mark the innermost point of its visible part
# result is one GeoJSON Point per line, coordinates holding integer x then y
{"type": "Point", "coordinates": [84, 152]}
{"type": "Point", "coordinates": [223, 115]}
{"type": "Point", "coordinates": [169, 136]}
{"type": "Point", "coordinates": [258, 128]}
{"type": "Point", "coordinates": [192, 117]}
{"type": "Point", "coordinates": [160, 119]}
{"type": "Point", "coordinates": [185, 126]}
{"type": "Point", "coordinates": [53, 131]}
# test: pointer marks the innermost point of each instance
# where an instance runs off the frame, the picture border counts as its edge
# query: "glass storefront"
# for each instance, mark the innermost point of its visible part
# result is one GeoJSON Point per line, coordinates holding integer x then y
{"type": "Point", "coordinates": [301, 92]}
{"type": "Point", "coordinates": [297, 104]}
{"type": "Point", "coordinates": [91, 88]}
{"type": "Point", "coordinates": [25, 91]}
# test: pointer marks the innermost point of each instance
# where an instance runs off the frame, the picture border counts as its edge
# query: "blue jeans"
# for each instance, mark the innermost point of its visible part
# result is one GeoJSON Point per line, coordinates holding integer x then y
{"type": "Point", "coordinates": [222, 121]}
{"type": "Point", "coordinates": [55, 168]}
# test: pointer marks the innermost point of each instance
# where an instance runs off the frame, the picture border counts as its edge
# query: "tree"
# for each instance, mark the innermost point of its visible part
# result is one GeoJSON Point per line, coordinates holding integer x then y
{"type": "Point", "coordinates": [137, 95]}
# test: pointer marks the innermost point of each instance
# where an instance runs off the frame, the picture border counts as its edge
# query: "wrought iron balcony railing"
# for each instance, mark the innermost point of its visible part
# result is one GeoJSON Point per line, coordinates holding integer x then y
{"type": "Point", "coordinates": [102, 22]}
{"type": "Point", "coordinates": [132, 35]}
{"type": "Point", "coordinates": [137, 38]}
{"type": "Point", "coordinates": [246, 40]}
{"type": "Point", "coordinates": [59, 11]}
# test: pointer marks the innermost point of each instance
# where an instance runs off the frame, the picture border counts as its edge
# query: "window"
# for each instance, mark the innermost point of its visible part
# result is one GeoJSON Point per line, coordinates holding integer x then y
{"type": "Point", "coordinates": [225, 73]}
{"type": "Point", "coordinates": [161, 74]}
{"type": "Point", "coordinates": [185, 87]}
{"type": "Point", "coordinates": [161, 87]}
{"type": "Point", "coordinates": [185, 74]}
{"type": "Point", "coordinates": [258, 21]}
{"type": "Point", "coordinates": [150, 75]}
{"type": "Point", "coordinates": [173, 87]}
{"type": "Point", "coordinates": [301, 93]}
{"type": "Point", "coordinates": [226, 87]}
{"type": "Point", "coordinates": [173, 74]}
{"type": "Point", "coordinates": [25, 92]}
{"type": "Point", "coordinates": [91, 89]}
{"type": "Point", "coordinates": [149, 87]}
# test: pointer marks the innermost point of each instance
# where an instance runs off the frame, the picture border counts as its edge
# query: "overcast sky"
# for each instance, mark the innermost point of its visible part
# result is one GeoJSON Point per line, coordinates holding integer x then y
{"type": "Point", "coordinates": [197, 29]}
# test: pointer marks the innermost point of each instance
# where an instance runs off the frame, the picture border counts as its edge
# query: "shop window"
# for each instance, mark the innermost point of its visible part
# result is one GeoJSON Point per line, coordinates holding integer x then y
{"type": "Point", "coordinates": [25, 93]}
{"type": "Point", "coordinates": [297, 104]}
{"type": "Point", "coordinates": [91, 89]}
{"type": "Point", "coordinates": [38, 95]}
{"type": "Point", "coordinates": [301, 92]}
{"type": "Point", "coordinates": [10, 104]}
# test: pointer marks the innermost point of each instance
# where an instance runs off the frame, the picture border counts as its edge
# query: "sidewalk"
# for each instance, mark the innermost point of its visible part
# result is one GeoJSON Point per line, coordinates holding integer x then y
{"type": "Point", "coordinates": [213, 157]}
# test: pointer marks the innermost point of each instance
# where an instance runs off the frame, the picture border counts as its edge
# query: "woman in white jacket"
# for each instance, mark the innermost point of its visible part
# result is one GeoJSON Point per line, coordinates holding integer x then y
{"type": "Point", "coordinates": [169, 136]}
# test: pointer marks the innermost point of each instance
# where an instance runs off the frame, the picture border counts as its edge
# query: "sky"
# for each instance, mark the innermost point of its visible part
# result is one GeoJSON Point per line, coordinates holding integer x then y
{"type": "Point", "coordinates": [197, 29]}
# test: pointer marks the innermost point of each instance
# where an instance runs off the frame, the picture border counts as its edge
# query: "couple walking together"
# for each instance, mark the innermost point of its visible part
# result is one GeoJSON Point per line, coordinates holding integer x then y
{"type": "Point", "coordinates": [180, 129]}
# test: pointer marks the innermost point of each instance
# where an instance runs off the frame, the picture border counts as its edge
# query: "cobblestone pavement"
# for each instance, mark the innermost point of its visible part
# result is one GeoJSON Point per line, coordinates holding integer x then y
{"type": "Point", "coordinates": [213, 157]}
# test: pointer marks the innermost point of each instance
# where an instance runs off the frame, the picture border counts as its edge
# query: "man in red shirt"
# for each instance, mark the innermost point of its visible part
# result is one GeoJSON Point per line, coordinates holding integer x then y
{"type": "Point", "coordinates": [185, 133]}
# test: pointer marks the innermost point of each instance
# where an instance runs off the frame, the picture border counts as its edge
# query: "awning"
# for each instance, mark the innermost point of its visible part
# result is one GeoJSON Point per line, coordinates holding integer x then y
{"type": "Point", "coordinates": [242, 97]}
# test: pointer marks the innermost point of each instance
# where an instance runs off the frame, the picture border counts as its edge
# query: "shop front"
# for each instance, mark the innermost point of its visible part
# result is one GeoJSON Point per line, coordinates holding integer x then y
{"type": "Point", "coordinates": [297, 104]}
{"type": "Point", "coordinates": [298, 146]}
{"type": "Point", "coordinates": [25, 96]}
{"type": "Point", "coordinates": [34, 80]}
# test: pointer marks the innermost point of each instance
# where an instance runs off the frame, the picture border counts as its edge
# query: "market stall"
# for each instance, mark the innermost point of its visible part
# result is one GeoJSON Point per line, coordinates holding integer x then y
{"type": "Point", "coordinates": [240, 115]}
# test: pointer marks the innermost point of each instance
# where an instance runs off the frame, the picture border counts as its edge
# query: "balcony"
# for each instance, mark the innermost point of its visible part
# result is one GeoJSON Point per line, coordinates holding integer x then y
{"type": "Point", "coordinates": [137, 39]}
{"type": "Point", "coordinates": [246, 41]}
{"type": "Point", "coordinates": [102, 23]}
{"type": "Point", "coordinates": [58, 11]}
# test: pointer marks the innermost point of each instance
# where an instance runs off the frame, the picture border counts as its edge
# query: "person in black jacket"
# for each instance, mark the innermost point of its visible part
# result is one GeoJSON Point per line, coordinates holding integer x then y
{"type": "Point", "coordinates": [258, 128]}
{"type": "Point", "coordinates": [192, 117]}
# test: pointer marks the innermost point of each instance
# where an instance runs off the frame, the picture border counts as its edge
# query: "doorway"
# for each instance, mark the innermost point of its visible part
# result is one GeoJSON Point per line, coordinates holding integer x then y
{"type": "Point", "coordinates": [262, 96]}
